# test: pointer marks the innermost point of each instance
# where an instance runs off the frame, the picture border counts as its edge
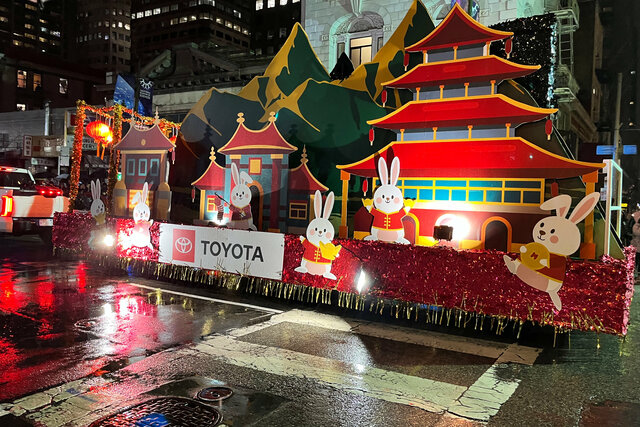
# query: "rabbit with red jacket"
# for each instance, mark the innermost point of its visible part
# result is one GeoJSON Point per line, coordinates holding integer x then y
{"type": "Point", "coordinates": [542, 263]}
{"type": "Point", "coordinates": [241, 217]}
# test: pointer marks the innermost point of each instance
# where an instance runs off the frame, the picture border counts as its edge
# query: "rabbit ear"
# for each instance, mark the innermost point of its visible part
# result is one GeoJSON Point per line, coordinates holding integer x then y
{"type": "Point", "coordinates": [395, 170]}
{"type": "Point", "coordinates": [98, 189]}
{"type": "Point", "coordinates": [145, 192]}
{"type": "Point", "coordinates": [382, 171]}
{"type": "Point", "coordinates": [245, 178]}
{"type": "Point", "coordinates": [234, 174]}
{"type": "Point", "coordinates": [560, 204]}
{"type": "Point", "coordinates": [317, 204]}
{"type": "Point", "coordinates": [93, 190]}
{"type": "Point", "coordinates": [136, 198]}
{"type": "Point", "coordinates": [585, 206]}
{"type": "Point", "coordinates": [328, 207]}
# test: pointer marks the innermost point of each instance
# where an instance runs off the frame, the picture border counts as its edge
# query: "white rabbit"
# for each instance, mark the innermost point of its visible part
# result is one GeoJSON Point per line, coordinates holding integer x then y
{"type": "Point", "coordinates": [388, 206]}
{"type": "Point", "coordinates": [543, 262]}
{"type": "Point", "coordinates": [97, 206]}
{"type": "Point", "coordinates": [97, 212]}
{"type": "Point", "coordinates": [319, 252]}
{"type": "Point", "coordinates": [141, 235]}
{"type": "Point", "coordinates": [241, 217]}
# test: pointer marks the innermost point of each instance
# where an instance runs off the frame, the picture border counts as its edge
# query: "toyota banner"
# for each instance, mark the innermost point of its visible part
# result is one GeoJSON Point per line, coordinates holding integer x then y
{"type": "Point", "coordinates": [251, 253]}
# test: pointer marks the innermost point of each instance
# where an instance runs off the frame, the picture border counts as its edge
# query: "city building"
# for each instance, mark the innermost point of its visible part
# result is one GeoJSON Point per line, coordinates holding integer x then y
{"type": "Point", "coordinates": [103, 34]}
{"type": "Point", "coordinates": [159, 25]}
{"type": "Point", "coordinates": [272, 24]}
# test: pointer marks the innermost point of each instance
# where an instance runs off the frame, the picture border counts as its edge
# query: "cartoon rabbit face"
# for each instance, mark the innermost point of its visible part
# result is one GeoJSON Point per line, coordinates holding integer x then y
{"type": "Point", "coordinates": [141, 210]}
{"type": "Point", "coordinates": [557, 233]}
{"type": "Point", "coordinates": [240, 193]}
{"type": "Point", "coordinates": [388, 198]}
{"type": "Point", "coordinates": [97, 206]}
{"type": "Point", "coordinates": [320, 228]}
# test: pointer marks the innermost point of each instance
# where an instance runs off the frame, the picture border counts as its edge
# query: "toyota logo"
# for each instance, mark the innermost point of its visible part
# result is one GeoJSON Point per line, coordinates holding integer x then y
{"type": "Point", "coordinates": [183, 245]}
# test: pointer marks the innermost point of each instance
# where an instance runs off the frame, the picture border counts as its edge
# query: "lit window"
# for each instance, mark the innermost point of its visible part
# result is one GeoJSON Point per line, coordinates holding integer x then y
{"type": "Point", "coordinates": [283, 2]}
{"type": "Point", "coordinates": [4, 19]}
{"type": "Point", "coordinates": [37, 81]}
{"type": "Point", "coordinates": [298, 210]}
{"type": "Point", "coordinates": [271, 3]}
{"type": "Point", "coordinates": [138, 15]}
{"type": "Point", "coordinates": [228, 24]}
{"type": "Point", "coordinates": [28, 26]}
{"type": "Point", "coordinates": [174, 21]}
{"type": "Point", "coordinates": [183, 19]}
{"type": "Point", "coordinates": [283, 32]}
{"type": "Point", "coordinates": [211, 204]}
{"type": "Point", "coordinates": [148, 12]}
{"type": "Point", "coordinates": [127, 27]}
{"type": "Point", "coordinates": [119, 24]}
{"type": "Point", "coordinates": [236, 27]}
{"type": "Point", "coordinates": [360, 50]}
{"type": "Point", "coordinates": [156, 11]}
{"type": "Point", "coordinates": [219, 21]}
{"type": "Point", "coordinates": [295, 1]}
{"type": "Point", "coordinates": [193, 18]}
{"type": "Point", "coordinates": [165, 9]}
{"type": "Point", "coordinates": [63, 86]}
{"type": "Point", "coordinates": [259, 4]}
{"type": "Point", "coordinates": [255, 166]}
{"type": "Point", "coordinates": [22, 78]}
{"type": "Point", "coordinates": [21, 107]}
{"type": "Point", "coordinates": [174, 7]}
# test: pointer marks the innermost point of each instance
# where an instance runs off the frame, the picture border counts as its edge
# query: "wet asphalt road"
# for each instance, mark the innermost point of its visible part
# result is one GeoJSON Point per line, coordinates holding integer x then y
{"type": "Point", "coordinates": [78, 345]}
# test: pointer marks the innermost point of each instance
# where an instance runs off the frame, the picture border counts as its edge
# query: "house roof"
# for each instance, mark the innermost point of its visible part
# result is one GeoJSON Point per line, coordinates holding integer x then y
{"type": "Point", "coordinates": [267, 140]}
{"type": "Point", "coordinates": [494, 109]}
{"type": "Point", "coordinates": [213, 177]}
{"type": "Point", "coordinates": [301, 178]}
{"type": "Point", "coordinates": [475, 158]}
{"type": "Point", "coordinates": [457, 29]}
{"type": "Point", "coordinates": [145, 139]}
{"type": "Point", "coordinates": [469, 70]}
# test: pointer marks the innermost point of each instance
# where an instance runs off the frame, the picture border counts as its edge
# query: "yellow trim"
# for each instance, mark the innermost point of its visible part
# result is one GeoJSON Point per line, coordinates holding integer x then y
{"type": "Point", "coordinates": [154, 151]}
{"type": "Point", "coordinates": [483, 232]}
{"type": "Point", "coordinates": [306, 210]}
{"type": "Point", "coordinates": [277, 156]}
{"type": "Point", "coordinates": [221, 150]}
{"type": "Point", "coordinates": [470, 244]}
{"type": "Point", "coordinates": [202, 202]}
{"type": "Point", "coordinates": [470, 20]}
{"type": "Point", "coordinates": [235, 156]}
{"type": "Point", "coordinates": [455, 53]}
{"type": "Point", "coordinates": [515, 247]}
{"type": "Point", "coordinates": [522, 67]}
{"type": "Point", "coordinates": [360, 235]}
{"type": "Point", "coordinates": [526, 107]}
{"type": "Point", "coordinates": [541, 150]}
{"type": "Point", "coordinates": [426, 241]}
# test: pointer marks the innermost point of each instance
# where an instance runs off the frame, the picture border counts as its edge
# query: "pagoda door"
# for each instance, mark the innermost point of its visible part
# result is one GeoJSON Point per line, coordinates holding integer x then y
{"type": "Point", "coordinates": [496, 234]}
{"type": "Point", "coordinates": [256, 204]}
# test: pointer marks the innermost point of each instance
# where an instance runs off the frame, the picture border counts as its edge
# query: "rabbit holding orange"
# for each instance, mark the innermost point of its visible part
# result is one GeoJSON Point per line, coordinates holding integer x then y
{"type": "Point", "coordinates": [319, 252]}
{"type": "Point", "coordinates": [389, 207]}
{"type": "Point", "coordinates": [241, 217]}
{"type": "Point", "coordinates": [543, 262]}
{"type": "Point", "coordinates": [97, 212]}
{"type": "Point", "coordinates": [141, 236]}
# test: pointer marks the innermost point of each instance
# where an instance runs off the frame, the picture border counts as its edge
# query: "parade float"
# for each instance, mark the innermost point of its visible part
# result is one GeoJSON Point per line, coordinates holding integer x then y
{"type": "Point", "coordinates": [465, 223]}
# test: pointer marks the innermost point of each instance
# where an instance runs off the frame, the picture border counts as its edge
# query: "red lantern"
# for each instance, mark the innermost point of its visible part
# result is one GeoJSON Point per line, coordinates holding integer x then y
{"type": "Point", "coordinates": [365, 186]}
{"type": "Point", "coordinates": [383, 97]}
{"type": "Point", "coordinates": [548, 128]}
{"type": "Point", "coordinates": [99, 130]}
{"type": "Point", "coordinates": [406, 60]}
{"type": "Point", "coordinates": [508, 46]}
{"type": "Point", "coordinates": [371, 136]}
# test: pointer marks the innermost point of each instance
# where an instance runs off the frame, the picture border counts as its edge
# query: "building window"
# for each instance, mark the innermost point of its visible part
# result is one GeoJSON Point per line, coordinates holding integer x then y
{"type": "Point", "coordinates": [255, 166]}
{"type": "Point", "coordinates": [131, 167]}
{"type": "Point", "coordinates": [283, 32]}
{"type": "Point", "coordinates": [259, 4]}
{"type": "Point", "coordinates": [340, 49]}
{"type": "Point", "coordinates": [283, 2]}
{"type": "Point", "coordinates": [37, 81]}
{"type": "Point", "coordinates": [63, 86]}
{"type": "Point", "coordinates": [211, 204]}
{"type": "Point", "coordinates": [271, 3]}
{"type": "Point", "coordinates": [154, 167]}
{"type": "Point", "coordinates": [174, 7]}
{"type": "Point", "coordinates": [360, 50]}
{"type": "Point", "coordinates": [142, 167]}
{"type": "Point", "coordinates": [298, 210]}
{"type": "Point", "coordinates": [21, 107]}
{"type": "Point", "coordinates": [22, 78]}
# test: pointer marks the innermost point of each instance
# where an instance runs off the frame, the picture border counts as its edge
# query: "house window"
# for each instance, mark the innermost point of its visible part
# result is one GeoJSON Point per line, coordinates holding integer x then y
{"type": "Point", "coordinates": [37, 81]}
{"type": "Point", "coordinates": [63, 86]}
{"type": "Point", "coordinates": [21, 107]}
{"type": "Point", "coordinates": [297, 210]}
{"type": "Point", "coordinates": [142, 167]}
{"type": "Point", "coordinates": [154, 167]}
{"type": "Point", "coordinates": [211, 203]}
{"type": "Point", "coordinates": [259, 4]}
{"type": "Point", "coordinates": [131, 167]}
{"type": "Point", "coordinates": [271, 3]}
{"type": "Point", "coordinates": [255, 166]}
{"type": "Point", "coordinates": [22, 78]}
{"type": "Point", "coordinates": [360, 50]}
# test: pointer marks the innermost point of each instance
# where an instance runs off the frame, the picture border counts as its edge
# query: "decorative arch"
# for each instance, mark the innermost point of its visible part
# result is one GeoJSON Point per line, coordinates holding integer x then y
{"type": "Point", "coordinates": [488, 221]}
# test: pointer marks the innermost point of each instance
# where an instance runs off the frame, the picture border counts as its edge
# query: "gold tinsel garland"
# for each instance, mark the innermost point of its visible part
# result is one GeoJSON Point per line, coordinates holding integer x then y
{"type": "Point", "coordinates": [76, 156]}
{"type": "Point", "coordinates": [114, 155]}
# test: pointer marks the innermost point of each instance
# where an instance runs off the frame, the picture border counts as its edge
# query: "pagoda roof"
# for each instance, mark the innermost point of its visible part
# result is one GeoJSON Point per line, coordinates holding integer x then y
{"type": "Point", "coordinates": [453, 112]}
{"type": "Point", "coordinates": [469, 70]}
{"type": "Point", "coordinates": [457, 29]}
{"type": "Point", "coordinates": [213, 178]}
{"type": "Point", "coordinates": [267, 140]}
{"type": "Point", "coordinates": [474, 158]}
{"type": "Point", "coordinates": [144, 139]}
{"type": "Point", "coordinates": [301, 178]}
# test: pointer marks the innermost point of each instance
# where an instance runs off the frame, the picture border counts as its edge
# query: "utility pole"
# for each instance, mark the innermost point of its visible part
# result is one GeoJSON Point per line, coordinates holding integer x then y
{"type": "Point", "coordinates": [617, 157]}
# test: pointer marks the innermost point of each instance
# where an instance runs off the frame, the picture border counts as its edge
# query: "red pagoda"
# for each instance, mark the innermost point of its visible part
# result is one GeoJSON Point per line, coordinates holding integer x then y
{"type": "Point", "coordinates": [460, 158]}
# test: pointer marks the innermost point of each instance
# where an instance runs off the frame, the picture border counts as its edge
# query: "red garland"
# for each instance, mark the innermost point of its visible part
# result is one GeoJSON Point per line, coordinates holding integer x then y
{"type": "Point", "coordinates": [596, 295]}
{"type": "Point", "coordinates": [124, 228]}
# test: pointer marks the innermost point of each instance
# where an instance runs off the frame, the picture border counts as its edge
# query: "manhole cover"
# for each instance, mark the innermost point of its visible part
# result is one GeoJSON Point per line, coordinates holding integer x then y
{"type": "Point", "coordinates": [214, 394]}
{"type": "Point", "coordinates": [165, 411]}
